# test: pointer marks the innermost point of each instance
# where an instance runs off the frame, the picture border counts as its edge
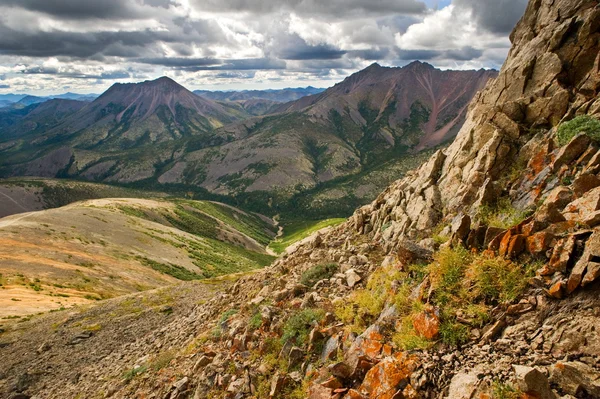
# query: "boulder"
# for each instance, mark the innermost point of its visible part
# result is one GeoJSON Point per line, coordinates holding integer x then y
{"type": "Point", "coordinates": [463, 386]}
{"type": "Point", "coordinates": [571, 151]}
{"type": "Point", "coordinates": [461, 227]}
{"type": "Point", "coordinates": [576, 378]}
{"type": "Point", "coordinates": [585, 183]}
{"type": "Point", "coordinates": [427, 323]}
{"type": "Point", "coordinates": [533, 382]}
{"type": "Point", "coordinates": [352, 278]}
{"type": "Point", "coordinates": [388, 376]}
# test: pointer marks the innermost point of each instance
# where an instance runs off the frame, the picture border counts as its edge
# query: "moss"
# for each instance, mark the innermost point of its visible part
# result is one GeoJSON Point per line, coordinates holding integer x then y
{"type": "Point", "coordinates": [317, 273]}
{"type": "Point", "coordinates": [502, 214]}
{"type": "Point", "coordinates": [298, 325]}
{"type": "Point", "coordinates": [580, 124]}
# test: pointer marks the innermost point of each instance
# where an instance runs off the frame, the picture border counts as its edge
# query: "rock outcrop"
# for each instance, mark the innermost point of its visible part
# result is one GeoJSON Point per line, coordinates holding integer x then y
{"type": "Point", "coordinates": [551, 74]}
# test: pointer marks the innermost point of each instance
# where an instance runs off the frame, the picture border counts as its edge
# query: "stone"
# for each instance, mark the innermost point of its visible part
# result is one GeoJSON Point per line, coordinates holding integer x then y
{"type": "Point", "coordinates": [585, 183]}
{"type": "Point", "coordinates": [388, 376]}
{"type": "Point", "coordinates": [461, 226]}
{"type": "Point", "coordinates": [463, 386]}
{"type": "Point", "coordinates": [571, 151]}
{"type": "Point", "coordinates": [427, 323]}
{"type": "Point", "coordinates": [352, 278]}
{"type": "Point", "coordinates": [493, 331]}
{"type": "Point", "coordinates": [278, 382]}
{"type": "Point", "coordinates": [295, 357]}
{"type": "Point", "coordinates": [330, 348]}
{"type": "Point", "coordinates": [557, 290]}
{"type": "Point", "coordinates": [561, 256]}
{"type": "Point", "coordinates": [533, 382]}
{"type": "Point", "coordinates": [539, 243]}
{"type": "Point", "coordinates": [576, 378]}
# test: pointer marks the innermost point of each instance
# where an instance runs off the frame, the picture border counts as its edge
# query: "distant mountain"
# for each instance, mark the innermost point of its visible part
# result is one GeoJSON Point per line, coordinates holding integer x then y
{"type": "Point", "coordinates": [374, 116]}
{"type": "Point", "coordinates": [11, 98]}
{"type": "Point", "coordinates": [158, 133]}
{"type": "Point", "coordinates": [281, 96]}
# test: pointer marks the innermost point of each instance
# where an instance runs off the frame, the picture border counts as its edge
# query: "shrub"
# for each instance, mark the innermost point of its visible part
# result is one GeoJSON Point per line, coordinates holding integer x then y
{"type": "Point", "coordinates": [448, 269]}
{"type": "Point", "coordinates": [318, 273]}
{"type": "Point", "coordinates": [297, 327]}
{"type": "Point", "coordinates": [255, 321]}
{"type": "Point", "coordinates": [364, 305]}
{"type": "Point", "coordinates": [406, 337]}
{"type": "Point", "coordinates": [502, 214]}
{"type": "Point", "coordinates": [581, 124]}
{"type": "Point", "coordinates": [505, 391]}
{"type": "Point", "coordinates": [496, 279]}
{"type": "Point", "coordinates": [453, 333]}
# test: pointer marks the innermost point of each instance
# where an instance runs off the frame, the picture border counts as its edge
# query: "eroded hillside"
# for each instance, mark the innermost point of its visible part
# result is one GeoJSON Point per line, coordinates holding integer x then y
{"type": "Point", "coordinates": [100, 249]}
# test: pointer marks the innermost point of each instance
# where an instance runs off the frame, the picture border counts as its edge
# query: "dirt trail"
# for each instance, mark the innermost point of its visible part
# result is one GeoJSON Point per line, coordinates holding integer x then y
{"type": "Point", "coordinates": [10, 220]}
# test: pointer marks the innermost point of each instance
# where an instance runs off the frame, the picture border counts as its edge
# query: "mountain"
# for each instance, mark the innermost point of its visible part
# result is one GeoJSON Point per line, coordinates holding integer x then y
{"type": "Point", "coordinates": [356, 129]}
{"type": "Point", "coordinates": [372, 117]}
{"type": "Point", "coordinates": [281, 96]}
{"type": "Point", "coordinates": [35, 119]}
{"type": "Point", "coordinates": [475, 276]}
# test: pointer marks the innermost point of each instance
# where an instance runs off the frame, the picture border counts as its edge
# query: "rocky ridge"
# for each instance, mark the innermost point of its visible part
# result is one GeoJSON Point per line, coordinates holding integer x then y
{"type": "Point", "coordinates": [280, 333]}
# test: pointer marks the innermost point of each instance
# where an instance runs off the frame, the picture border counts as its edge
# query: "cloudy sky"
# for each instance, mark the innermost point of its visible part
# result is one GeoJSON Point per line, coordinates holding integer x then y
{"type": "Point", "coordinates": [54, 46]}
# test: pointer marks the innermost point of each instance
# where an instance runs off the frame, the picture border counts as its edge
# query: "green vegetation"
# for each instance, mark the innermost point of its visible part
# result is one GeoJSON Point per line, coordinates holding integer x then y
{"type": "Point", "coordinates": [134, 372]}
{"type": "Point", "coordinates": [502, 214]}
{"type": "Point", "coordinates": [504, 391]}
{"type": "Point", "coordinates": [298, 325]}
{"type": "Point", "coordinates": [462, 284]}
{"type": "Point", "coordinates": [580, 124]}
{"type": "Point", "coordinates": [179, 272]}
{"type": "Point", "coordinates": [317, 273]}
{"type": "Point", "coordinates": [299, 230]}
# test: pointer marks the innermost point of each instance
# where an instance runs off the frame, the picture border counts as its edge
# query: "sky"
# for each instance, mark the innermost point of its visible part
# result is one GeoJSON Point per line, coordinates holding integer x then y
{"type": "Point", "coordinates": [85, 46]}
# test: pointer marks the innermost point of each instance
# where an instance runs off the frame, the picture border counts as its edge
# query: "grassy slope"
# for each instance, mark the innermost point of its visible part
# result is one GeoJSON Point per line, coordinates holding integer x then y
{"type": "Point", "coordinates": [105, 248]}
{"type": "Point", "coordinates": [299, 230]}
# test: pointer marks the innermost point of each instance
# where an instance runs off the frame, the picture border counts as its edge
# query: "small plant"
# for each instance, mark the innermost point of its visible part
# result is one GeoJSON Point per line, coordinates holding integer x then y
{"type": "Point", "coordinates": [453, 333]}
{"type": "Point", "coordinates": [131, 374]}
{"type": "Point", "coordinates": [227, 315]}
{"type": "Point", "coordinates": [497, 279]}
{"type": "Point", "coordinates": [162, 360]}
{"type": "Point", "coordinates": [504, 391]}
{"type": "Point", "coordinates": [580, 124]}
{"type": "Point", "coordinates": [502, 214]}
{"type": "Point", "coordinates": [318, 273]}
{"type": "Point", "coordinates": [255, 321]}
{"type": "Point", "coordinates": [298, 326]}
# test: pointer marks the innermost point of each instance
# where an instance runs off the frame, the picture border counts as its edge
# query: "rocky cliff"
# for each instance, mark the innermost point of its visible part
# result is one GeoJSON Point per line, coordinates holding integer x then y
{"type": "Point", "coordinates": [476, 276]}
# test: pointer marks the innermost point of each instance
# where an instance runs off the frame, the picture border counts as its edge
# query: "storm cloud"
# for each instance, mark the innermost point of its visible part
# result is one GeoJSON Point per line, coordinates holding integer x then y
{"type": "Point", "coordinates": [46, 45]}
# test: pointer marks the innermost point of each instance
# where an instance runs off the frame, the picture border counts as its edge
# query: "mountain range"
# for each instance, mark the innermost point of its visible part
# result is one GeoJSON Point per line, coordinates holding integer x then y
{"type": "Point", "coordinates": [158, 133]}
